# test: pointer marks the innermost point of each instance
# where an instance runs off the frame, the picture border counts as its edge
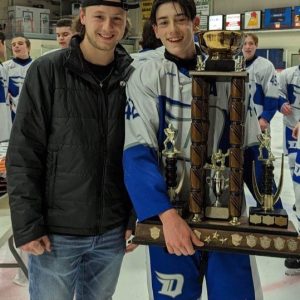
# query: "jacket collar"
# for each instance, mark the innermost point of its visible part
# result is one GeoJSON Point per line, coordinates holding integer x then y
{"type": "Point", "coordinates": [74, 61]}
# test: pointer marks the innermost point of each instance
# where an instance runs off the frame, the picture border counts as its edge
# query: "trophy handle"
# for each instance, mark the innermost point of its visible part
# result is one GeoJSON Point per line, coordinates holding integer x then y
{"type": "Point", "coordinates": [257, 193]}
{"type": "Point", "coordinates": [276, 196]}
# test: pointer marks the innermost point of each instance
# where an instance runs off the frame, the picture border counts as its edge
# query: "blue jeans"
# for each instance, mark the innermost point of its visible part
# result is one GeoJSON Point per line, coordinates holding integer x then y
{"type": "Point", "coordinates": [86, 266]}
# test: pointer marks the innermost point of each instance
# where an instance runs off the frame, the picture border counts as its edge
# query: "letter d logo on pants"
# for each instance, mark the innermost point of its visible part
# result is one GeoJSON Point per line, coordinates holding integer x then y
{"type": "Point", "coordinates": [171, 284]}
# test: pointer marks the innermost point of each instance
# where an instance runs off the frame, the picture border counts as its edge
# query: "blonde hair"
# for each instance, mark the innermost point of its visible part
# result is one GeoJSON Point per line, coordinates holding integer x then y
{"type": "Point", "coordinates": [253, 37]}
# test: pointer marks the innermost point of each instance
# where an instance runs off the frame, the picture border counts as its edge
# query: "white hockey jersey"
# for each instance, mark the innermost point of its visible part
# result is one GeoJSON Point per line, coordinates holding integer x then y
{"type": "Point", "coordinates": [143, 56]}
{"type": "Point", "coordinates": [5, 118]}
{"type": "Point", "coordinates": [290, 86]}
{"type": "Point", "coordinates": [263, 87]}
{"type": "Point", "coordinates": [158, 94]}
{"type": "Point", "coordinates": [16, 73]}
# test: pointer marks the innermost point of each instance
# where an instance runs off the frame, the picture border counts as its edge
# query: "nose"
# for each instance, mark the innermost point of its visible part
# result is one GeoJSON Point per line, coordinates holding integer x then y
{"type": "Point", "coordinates": [107, 24]}
{"type": "Point", "coordinates": [173, 26]}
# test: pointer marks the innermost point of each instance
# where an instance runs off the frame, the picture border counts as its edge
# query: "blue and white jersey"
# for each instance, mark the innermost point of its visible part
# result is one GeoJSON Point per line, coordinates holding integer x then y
{"type": "Point", "coordinates": [16, 72]}
{"type": "Point", "coordinates": [263, 87]}
{"type": "Point", "coordinates": [143, 56]}
{"type": "Point", "coordinates": [289, 80]}
{"type": "Point", "coordinates": [5, 119]}
{"type": "Point", "coordinates": [158, 94]}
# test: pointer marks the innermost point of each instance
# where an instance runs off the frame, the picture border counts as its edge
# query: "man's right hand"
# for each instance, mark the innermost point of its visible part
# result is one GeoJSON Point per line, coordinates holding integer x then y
{"type": "Point", "coordinates": [179, 237]}
{"type": "Point", "coordinates": [38, 246]}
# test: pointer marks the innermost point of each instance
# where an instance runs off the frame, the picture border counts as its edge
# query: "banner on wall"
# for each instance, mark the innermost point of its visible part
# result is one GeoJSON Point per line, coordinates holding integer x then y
{"type": "Point", "coordinates": [276, 18]}
{"type": "Point", "coordinates": [297, 16]}
{"type": "Point", "coordinates": [252, 19]}
{"type": "Point", "coordinates": [146, 6]}
{"type": "Point", "coordinates": [202, 7]}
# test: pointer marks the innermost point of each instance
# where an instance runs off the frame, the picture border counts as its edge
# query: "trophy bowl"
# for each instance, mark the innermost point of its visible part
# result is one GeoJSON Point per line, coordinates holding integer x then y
{"type": "Point", "coordinates": [221, 47]}
{"type": "Point", "coordinates": [228, 43]}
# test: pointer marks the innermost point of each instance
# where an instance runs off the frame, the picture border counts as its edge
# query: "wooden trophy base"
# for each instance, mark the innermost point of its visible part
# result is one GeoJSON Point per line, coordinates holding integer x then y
{"type": "Point", "coordinates": [223, 236]}
{"type": "Point", "coordinates": [274, 218]}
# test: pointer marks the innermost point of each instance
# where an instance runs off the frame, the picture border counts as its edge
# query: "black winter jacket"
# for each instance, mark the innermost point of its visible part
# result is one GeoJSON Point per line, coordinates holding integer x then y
{"type": "Point", "coordinates": [64, 161]}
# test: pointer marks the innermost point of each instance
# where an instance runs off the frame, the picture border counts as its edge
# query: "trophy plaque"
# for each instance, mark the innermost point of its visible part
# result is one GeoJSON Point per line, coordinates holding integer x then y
{"type": "Point", "coordinates": [217, 175]}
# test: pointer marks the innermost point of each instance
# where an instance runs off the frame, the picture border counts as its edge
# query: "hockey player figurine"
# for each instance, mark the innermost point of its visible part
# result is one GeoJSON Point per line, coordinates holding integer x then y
{"type": "Point", "coordinates": [265, 142]}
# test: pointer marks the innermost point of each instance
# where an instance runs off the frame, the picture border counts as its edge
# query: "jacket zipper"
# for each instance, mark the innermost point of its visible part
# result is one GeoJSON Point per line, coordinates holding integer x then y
{"type": "Point", "coordinates": [101, 202]}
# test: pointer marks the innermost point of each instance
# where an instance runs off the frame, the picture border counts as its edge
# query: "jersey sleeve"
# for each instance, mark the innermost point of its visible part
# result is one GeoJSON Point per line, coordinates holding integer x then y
{"type": "Point", "coordinates": [283, 94]}
{"type": "Point", "coordinates": [143, 178]}
{"type": "Point", "coordinates": [270, 87]}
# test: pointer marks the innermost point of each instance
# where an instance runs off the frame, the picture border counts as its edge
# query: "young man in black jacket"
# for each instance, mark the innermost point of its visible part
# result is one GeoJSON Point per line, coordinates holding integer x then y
{"type": "Point", "coordinates": [69, 205]}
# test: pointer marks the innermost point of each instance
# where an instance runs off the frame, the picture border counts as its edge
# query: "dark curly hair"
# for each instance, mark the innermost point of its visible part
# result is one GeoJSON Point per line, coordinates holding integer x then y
{"type": "Point", "coordinates": [188, 8]}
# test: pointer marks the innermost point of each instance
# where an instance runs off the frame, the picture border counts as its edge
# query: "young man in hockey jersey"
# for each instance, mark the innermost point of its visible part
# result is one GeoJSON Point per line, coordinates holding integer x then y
{"type": "Point", "coordinates": [160, 93]}
{"type": "Point", "coordinates": [5, 119]}
{"type": "Point", "coordinates": [263, 83]}
{"type": "Point", "coordinates": [16, 69]}
{"type": "Point", "coordinates": [289, 80]}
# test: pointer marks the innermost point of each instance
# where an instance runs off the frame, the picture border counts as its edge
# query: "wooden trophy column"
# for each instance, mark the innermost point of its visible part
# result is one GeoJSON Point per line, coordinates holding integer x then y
{"type": "Point", "coordinates": [236, 156]}
{"type": "Point", "coordinates": [199, 137]}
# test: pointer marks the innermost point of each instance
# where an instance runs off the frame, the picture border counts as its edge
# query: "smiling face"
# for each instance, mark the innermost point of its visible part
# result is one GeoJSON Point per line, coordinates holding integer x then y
{"type": "Point", "coordinates": [175, 30]}
{"type": "Point", "coordinates": [20, 48]}
{"type": "Point", "coordinates": [104, 26]}
{"type": "Point", "coordinates": [249, 47]}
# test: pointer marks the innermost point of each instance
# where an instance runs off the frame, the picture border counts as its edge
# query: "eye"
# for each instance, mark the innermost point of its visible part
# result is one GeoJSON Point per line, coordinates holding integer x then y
{"type": "Point", "coordinates": [117, 19]}
{"type": "Point", "coordinates": [162, 23]}
{"type": "Point", "coordinates": [181, 19]}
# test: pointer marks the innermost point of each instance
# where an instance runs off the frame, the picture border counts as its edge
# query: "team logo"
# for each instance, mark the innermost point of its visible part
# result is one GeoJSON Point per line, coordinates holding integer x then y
{"type": "Point", "coordinates": [172, 284]}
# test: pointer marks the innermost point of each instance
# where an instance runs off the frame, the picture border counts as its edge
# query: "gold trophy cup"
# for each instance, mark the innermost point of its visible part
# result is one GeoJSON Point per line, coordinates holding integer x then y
{"type": "Point", "coordinates": [221, 47]}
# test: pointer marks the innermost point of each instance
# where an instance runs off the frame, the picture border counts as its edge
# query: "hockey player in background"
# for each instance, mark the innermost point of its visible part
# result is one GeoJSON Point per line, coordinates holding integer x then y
{"type": "Point", "coordinates": [290, 107]}
{"type": "Point", "coordinates": [164, 98]}
{"type": "Point", "coordinates": [263, 83]}
{"type": "Point", "coordinates": [16, 69]}
{"type": "Point", "coordinates": [5, 119]}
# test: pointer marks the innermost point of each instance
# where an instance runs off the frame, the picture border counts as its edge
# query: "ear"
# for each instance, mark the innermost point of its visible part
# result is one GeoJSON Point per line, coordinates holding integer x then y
{"type": "Point", "coordinates": [155, 31]}
{"type": "Point", "coordinates": [196, 23]}
{"type": "Point", "coordinates": [82, 16]}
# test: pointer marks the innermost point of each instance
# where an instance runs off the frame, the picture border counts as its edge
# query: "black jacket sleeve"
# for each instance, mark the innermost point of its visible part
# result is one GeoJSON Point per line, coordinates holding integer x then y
{"type": "Point", "coordinates": [27, 153]}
